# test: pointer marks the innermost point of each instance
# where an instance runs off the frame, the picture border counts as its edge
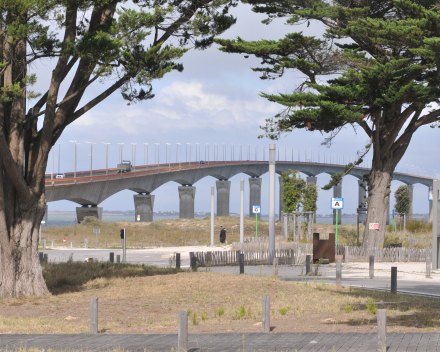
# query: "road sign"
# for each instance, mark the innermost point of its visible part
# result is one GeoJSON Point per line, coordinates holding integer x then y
{"type": "Point", "coordinates": [430, 197]}
{"type": "Point", "coordinates": [256, 209]}
{"type": "Point", "coordinates": [43, 222]}
{"type": "Point", "coordinates": [337, 203]}
{"type": "Point", "coordinates": [373, 226]}
{"type": "Point", "coordinates": [138, 218]}
{"type": "Point", "coordinates": [96, 230]}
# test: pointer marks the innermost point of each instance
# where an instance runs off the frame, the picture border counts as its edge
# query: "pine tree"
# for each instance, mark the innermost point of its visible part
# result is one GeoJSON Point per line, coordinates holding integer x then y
{"type": "Point", "coordinates": [293, 189]}
{"type": "Point", "coordinates": [403, 200]}
{"type": "Point", "coordinates": [375, 69]}
{"type": "Point", "coordinates": [127, 43]}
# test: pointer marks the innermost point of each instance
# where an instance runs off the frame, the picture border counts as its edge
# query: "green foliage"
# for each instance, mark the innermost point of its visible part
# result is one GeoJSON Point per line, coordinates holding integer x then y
{"type": "Point", "coordinates": [194, 319]}
{"type": "Point", "coordinates": [293, 189]}
{"type": "Point", "coordinates": [219, 312]}
{"type": "Point", "coordinates": [371, 307]}
{"type": "Point", "coordinates": [238, 314]}
{"type": "Point", "coordinates": [348, 308]}
{"type": "Point", "coordinates": [402, 199]}
{"type": "Point", "coordinates": [310, 196]}
{"type": "Point", "coordinates": [203, 316]}
{"type": "Point", "coordinates": [418, 226]}
{"type": "Point", "coordinates": [284, 310]}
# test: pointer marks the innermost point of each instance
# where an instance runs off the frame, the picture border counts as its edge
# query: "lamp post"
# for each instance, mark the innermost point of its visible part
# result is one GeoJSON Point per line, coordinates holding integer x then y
{"type": "Point", "coordinates": [249, 152]}
{"type": "Point", "coordinates": [198, 152]}
{"type": "Point", "coordinates": [232, 151]}
{"type": "Point", "coordinates": [74, 174]}
{"type": "Point", "coordinates": [121, 149]}
{"type": "Point", "coordinates": [59, 156]}
{"type": "Point", "coordinates": [106, 159]}
{"type": "Point", "coordinates": [91, 158]}
{"type": "Point", "coordinates": [156, 147]}
{"type": "Point", "coordinates": [53, 163]}
{"type": "Point", "coordinates": [133, 156]}
{"type": "Point", "coordinates": [215, 148]}
{"type": "Point", "coordinates": [146, 162]}
{"type": "Point", "coordinates": [224, 153]}
{"type": "Point", "coordinates": [241, 150]}
{"type": "Point", "coordinates": [180, 149]}
{"type": "Point", "coordinates": [169, 159]}
{"type": "Point", "coordinates": [189, 153]}
{"type": "Point", "coordinates": [207, 144]}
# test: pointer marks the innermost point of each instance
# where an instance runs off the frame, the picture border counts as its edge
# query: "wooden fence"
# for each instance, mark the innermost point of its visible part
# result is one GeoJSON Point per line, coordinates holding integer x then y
{"type": "Point", "coordinates": [399, 254]}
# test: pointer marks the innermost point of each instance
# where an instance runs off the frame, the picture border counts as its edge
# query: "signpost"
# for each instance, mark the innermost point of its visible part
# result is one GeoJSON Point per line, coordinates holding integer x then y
{"type": "Point", "coordinates": [138, 218]}
{"type": "Point", "coordinates": [394, 228]}
{"type": "Point", "coordinates": [337, 203]}
{"type": "Point", "coordinates": [96, 231]}
{"type": "Point", "coordinates": [256, 209]}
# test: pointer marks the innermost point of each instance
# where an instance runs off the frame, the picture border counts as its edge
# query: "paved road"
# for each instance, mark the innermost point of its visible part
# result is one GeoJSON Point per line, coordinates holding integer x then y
{"type": "Point", "coordinates": [311, 342]}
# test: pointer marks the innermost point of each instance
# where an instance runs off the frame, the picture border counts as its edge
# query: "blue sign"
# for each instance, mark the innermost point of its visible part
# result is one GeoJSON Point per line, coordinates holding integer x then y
{"type": "Point", "coordinates": [337, 203]}
{"type": "Point", "coordinates": [256, 209]}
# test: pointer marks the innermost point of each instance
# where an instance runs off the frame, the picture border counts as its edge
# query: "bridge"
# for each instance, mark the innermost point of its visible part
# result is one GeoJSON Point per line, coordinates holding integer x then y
{"type": "Point", "coordinates": [90, 188]}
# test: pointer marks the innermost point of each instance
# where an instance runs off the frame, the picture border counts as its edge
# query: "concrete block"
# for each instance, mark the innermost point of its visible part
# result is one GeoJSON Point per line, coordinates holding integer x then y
{"type": "Point", "coordinates": [187, 196]}
{"type": "Point", "coordinates": [143, 205]}
{"type": "Point", "coordinates": [223, 189]}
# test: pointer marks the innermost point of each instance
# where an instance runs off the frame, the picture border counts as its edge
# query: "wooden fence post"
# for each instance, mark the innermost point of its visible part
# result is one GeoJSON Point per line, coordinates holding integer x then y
{"type": "Point", "coordinates": [381, 330]}
{"type": "Point", "coordinates": [428, 266]}
{"type": "Point", "coordinates": [241, 263]}
{"type": "Point", "coordinates": [371, 266]}
{"type": "Point", "coordinates": [338, 274]}
{"type": "Point", "coordinates": [308, 264]}
{"type": "Point", "coordinates": [265, 314]}
{"type": "Point", "coordinates": [45, 258]}
{"type": "Point", "coordinates": [112, 257]}
{"type": "Point", "coordinates": [41, 257]}
{"type": "Point", "coordinates": [182, 339]}
{"type": "Point", "coordinates": [118, 258]}
{"type": "Point", "coordinates": [93, 315]}
{"type": "Point", "coordinates": [394, 279]}
{"type": "Point", "coordinates": [178, 260]}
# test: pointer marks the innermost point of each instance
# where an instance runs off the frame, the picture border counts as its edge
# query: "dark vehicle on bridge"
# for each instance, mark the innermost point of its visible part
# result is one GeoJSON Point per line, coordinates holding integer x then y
{"type": "Point", "coordinates": [202, 161]}
{"type": "Point", "coordinates": [125, 166]}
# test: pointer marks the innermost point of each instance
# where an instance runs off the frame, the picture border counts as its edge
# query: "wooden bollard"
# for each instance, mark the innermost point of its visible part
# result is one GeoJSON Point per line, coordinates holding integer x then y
{"type": "Point", "coordinates": [41, 257]}
{"type": "Point", "coordinates": [241, 263]}
{"type": "Point", "coordinates": [265, 314]}
{"type": "Point", "coordinates": [381, 330]}
{"type": "Point", "coordinates": [182, 338]}
{"type": "Point", "coordinates": [118, 258]}
{"type": "Point", "coordinates": [45, 258]}
{"type": "Point", "coordinates": [178, 260]}
{"type": "Point", "coordinates": [371, 266]}
{"type": "Point", "coordinates": [93, 315]}
{"type": "Point", "coordinates": [338, 273]}
{"type": "Point", "coordinates": [44, 244]}
{"type": "Point", "coordinates": [111, 257]}
{"type": "Point", "coordinates": [394, 279]}
{"type": "Point", "coordinates": [308, 264]}
{"type": "Point", "coordinates": [275, 267]}
{"type": "Point", "coordinates": [428, 266]}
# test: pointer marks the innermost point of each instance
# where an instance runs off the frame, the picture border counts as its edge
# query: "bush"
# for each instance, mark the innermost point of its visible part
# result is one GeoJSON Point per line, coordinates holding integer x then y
{"type": "Point", "coordinates": [92, 221]}
{"type": "Point", "coordinates": [418, 226]}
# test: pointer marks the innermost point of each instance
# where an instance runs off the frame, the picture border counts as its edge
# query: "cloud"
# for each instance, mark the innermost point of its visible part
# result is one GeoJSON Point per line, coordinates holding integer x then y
{"type": "Point", "coordinates": [185, 105]}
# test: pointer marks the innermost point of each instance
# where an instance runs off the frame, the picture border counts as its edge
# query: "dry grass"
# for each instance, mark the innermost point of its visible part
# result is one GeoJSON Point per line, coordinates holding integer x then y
{"type": "Point", "coordinates": [169, 232]}
{"type": "Point", "coordinates": [150, 304]}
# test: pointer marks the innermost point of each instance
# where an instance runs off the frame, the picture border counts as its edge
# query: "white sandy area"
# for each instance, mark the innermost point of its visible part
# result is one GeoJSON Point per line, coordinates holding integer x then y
{"type": "Point", "coordinates": [168, 252]}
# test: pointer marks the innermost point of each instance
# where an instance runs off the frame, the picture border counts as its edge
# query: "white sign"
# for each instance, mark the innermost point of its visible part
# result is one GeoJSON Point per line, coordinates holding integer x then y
{"type": "Point", "coordinates": [138, 218]}
{"type": "Point", "coordinates": [337, 203]}
{"type": "Point", "coordinates": [97, 230]}
{"type": "Point", "coordinates": [256, 209]}
{"type": "Point", "coordinates": [43, 222]}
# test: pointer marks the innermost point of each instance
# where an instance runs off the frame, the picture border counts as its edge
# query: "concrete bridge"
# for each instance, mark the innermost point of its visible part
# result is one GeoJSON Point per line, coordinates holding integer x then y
{"type": "Point", "coordinates": [90, 188]}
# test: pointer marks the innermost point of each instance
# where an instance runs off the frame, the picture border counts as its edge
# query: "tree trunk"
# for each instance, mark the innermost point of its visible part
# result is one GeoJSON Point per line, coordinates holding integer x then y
{"type": "Point", "coordinates": [20, 269]}
{"type": "Point", "coordinates": [378, 200]}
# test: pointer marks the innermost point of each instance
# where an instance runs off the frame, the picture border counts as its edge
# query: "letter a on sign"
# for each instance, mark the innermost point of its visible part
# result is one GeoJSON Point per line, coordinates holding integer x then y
{"type": "Point", "coordinates": [337, 203]}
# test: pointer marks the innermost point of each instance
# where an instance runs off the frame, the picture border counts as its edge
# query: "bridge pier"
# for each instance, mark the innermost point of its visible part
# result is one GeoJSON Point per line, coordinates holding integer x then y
{"type": "Point", "coordinates": [314, 180]}
{"type": "Point", "coordinates": [254, 193]}
{"type": "Point", "coordinates": [187, 196]}
{"type": "Point", "coordinates": [223, 190]}
{"type": "Point", "coordinates": [411, 196]}
{"type": "Point", "coordinates": [337, 193]}
{"type": "Point", "coordinates": [85, 210]}
{"type": "Point", "coordinates": [143, 206]}
{"type": "Point", "coordinates": [362, 200]}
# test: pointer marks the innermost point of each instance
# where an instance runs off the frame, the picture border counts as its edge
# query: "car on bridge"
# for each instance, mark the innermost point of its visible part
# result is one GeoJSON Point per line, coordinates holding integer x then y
{"type": "Point", "coordinates": [60, 175]}
{"type": "Point", "coordinates": [124, 166]}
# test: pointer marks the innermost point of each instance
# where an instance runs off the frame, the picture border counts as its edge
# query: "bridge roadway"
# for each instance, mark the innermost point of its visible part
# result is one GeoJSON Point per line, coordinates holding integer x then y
{"type": "Point", "coordinates": [89, 189]}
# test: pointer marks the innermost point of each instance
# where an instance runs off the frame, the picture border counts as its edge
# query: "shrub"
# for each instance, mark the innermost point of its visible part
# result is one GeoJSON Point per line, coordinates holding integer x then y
{"type": "Point", "coordinates": [371, 307]}
{"type": "Point", "coordinates": [418, 226]}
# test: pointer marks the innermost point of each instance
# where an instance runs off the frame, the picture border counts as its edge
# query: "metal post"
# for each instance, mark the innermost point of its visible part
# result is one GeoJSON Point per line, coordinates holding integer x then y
{"type": "Point", "coordinates": [371, 266]}
{"type": "Point", "coordinates": [242, 210]}
{"type": "Point", "coordinates": [393, 279]}
{"type": "Point", "coordinates": [338, 274]}
{"type": "Point", "coordinates": [272, 155]}
{"type": "Point", "coordinates": [275, 268]}
{"type": "Point", "coordinates": [357, 225]}
{"type": "Point", "coordinates": [93, 315]}
{"type": "Point", "coordinates": [118, 258]}
{"type": "Point", "coordinates": [241, 263]}
{"type": "Point", "coordinates": [212, 215]}
{"type": "Point", "coordinates": [265, 314]}
{"type": "Point", "coordinates": [124, 252]}
{"type": "Point", "coordinates": [53, 162]}
{"type": "Point", "coordinates": [112, 257]}
{"type": "Point", "coordinates": [182, 344]}
{"type": "Point", "coordinates": [428, 266]}
{"type": "Point", "coordinates": [308, 264]}
{"type": "Point", "coordinates": [381, 330]}
{"type": "Point", "coordinates": [177, 260]}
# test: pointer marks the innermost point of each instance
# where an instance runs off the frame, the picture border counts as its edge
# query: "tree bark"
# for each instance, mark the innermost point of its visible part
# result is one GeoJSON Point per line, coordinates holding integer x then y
{"type": "Point", "coordinates": [378, 199]}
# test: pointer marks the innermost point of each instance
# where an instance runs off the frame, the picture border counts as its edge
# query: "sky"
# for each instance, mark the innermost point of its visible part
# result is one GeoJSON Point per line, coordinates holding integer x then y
{"type": "Point", "coordinates": [216, 100]}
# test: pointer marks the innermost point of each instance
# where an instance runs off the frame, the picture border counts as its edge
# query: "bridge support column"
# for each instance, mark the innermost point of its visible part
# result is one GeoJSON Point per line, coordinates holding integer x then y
{"type": "Point", "coordinates": [362, 200]}
{"type": "Point", "coordinates": [281, 198]}
{"type": "Point", "coordinates": [411, 196]}
{"type": "Point", "coordinates": [430, 211]}
{"type": "Point", "coordinates": [314, 180]}
{"type": "Point", "coordinates": [85, 210]}
{"type": "Point", "coordinates": [143, 206]}
{"type": "Point", "coordinates": [223, 188]}
{"type": "Point", "coordinates": [254, 193]}
{"type": "Point", "coordinates": [187, 195]}
{"type": "Point", "coordinates": [337, 193]}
